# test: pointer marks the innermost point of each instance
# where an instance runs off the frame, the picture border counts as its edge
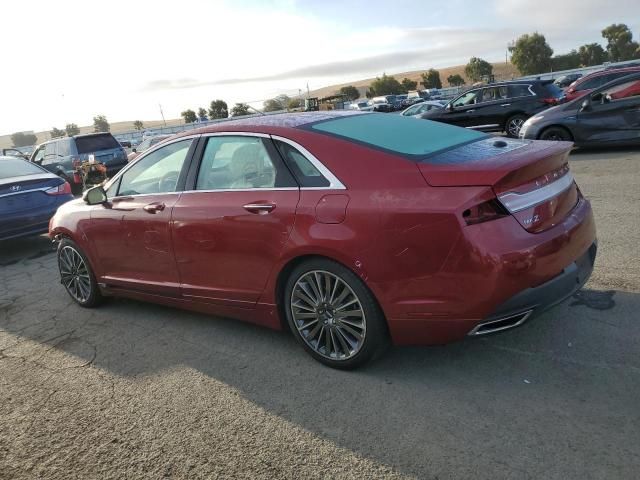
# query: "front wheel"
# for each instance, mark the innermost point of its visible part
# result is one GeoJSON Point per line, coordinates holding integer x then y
{"type": "Point", "coordinates": [557, 134]}
{"type": "Point", "coordinates": [76, 275]}
{"type": "Point", "coordinates": [333, 314]}
{"type": "Point", "coordinates": [514, 124]}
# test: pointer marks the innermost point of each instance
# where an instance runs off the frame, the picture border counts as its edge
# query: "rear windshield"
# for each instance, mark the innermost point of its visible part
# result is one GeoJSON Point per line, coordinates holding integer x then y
{"type": "Point", "coordinates": [554, 90]}
{"type": "Point", "coordinates": [398, 134]}
{"type": "Point", "coordinates": [95, 143]}
{"type": "Point", "coordinates": [14, 167]}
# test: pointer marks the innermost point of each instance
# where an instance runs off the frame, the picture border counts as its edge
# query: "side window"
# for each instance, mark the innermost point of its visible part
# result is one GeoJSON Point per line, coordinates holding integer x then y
{"type": "Point", "coordinates": [157, 172]}
{"type": "Point", "coordinates": [63, 148]}
{"type": "Point", "coordinates": [305, 172]}
{"type": "Point", "coordinates": [620, 91]}
{"type": "Point", "coordinates": [493, 94]}
{"type": "Point", "coordinates": [592, 83]}
{"type": "Point", "coordinates": [469, 98]}
{"type": "Point", "coordinates": [515, 91]}
{"type": "Point", "coordinates": [39, 155]}
{"type": "Point", "coordinates": [240, 163]}
{"type": "Point", "coordinates": [50, 155]}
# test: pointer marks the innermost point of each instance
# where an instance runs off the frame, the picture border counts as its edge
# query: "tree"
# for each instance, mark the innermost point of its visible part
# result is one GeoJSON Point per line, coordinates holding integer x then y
{"type": "Point", "coordinates": [138, 125]}
{"type": "Point", "coordinates": [189, 116]}
{"type": "Point", "coordinates": [531, 54]}
{"type": "Point", "coordinates": [218, 109]}
{"type": "Point", "coordinates": [455, 80]}
{"type": "Point", "coordinates": [408, 84]}
{"type": "Point", "coordinates": [281, 102]}
{"type": "Point", "coordinates": [431, 79]}
{"type": "Point", "coordinates": [72, 129]}
{"type": "Point", "coordinates": [350, 91]}
{"type": "Point", "coordinates": [57, 133]}
{"type": "Point", "coordinates": [477, 68]}
{"type": "Point", "coordinates": [202, 113]}
{"type": "Point", "coordinates": [21, 139]}
{"type": "Point", "coordinates": [592, 54]}
{"type": "Point", "coordinates": [240, 109]}
{"type": "Point", "coordinates": [385, 85]}
{"type": "Point", "coordinates": [566, 61]}
{"type": "Point", "coordinates": [295, 103]}
{"type": "Point", "coordinates": [620, 44]}
{"type": "Point", "coordinates": [100, 124]}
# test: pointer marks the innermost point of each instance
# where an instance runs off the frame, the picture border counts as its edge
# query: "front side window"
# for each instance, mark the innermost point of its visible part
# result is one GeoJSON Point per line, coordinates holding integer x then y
{"type": "Point", "coordinates": [39, 155]}
{"type": "Point", "coordinates": [50, 155]}
{"type": "Point", "coordinates": [239, 163]}
{"type": "Point", "coordinates": [619, 91]}
{"type": "Point", "coordinates": [305, 172]}
{"type": "Point", "coordinates": [469, 98]}
{"type": "Point", "coordinates": [157, 172]}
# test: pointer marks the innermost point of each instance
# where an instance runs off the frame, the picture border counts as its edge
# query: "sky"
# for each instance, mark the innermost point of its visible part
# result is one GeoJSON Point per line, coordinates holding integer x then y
{"type": "Point", "coordinates": [67, 61]}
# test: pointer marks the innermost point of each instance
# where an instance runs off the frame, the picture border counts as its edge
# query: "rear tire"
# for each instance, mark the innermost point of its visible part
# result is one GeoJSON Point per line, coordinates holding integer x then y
{"type": "Point", "coordinates": [333, 315]}
{"type": "Point", "coordinates": [513, 125]}
{"type": "Point", "coordinates": [76, 275]}
{"type": "Point", "coordinates": [557, 134]}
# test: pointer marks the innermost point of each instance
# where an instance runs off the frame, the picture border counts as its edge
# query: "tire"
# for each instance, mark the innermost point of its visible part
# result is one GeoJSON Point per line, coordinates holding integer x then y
{"type": "Point", "coordinates": [513, 125]}
{"type": "Point", "coordinates": [557, 134]}
{"type": "Point", "coordinates": [321, 300]}
{"type": "Point", "coordinates": [76, 275]}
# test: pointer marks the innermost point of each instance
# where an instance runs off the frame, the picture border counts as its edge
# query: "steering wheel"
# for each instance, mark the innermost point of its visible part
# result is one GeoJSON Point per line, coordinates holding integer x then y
{"type": "Point", "coordinates": [168, 182]}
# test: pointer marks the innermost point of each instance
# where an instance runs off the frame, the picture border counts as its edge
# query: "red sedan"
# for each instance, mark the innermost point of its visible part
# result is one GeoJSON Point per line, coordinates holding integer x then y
{"type": "Point", "coordinates": [588, 83]}
{"type": "Point", "coordinates": [350, 229]}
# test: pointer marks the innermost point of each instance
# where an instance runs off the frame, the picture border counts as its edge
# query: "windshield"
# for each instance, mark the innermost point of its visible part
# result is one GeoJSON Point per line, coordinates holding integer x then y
{"type": "Point", "coordinates": [14, 167]}
{"type": "Point", "coordinates": [398, 134]}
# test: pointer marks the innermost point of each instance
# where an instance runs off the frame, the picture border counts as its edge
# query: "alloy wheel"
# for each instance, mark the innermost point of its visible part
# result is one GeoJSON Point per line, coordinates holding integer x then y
{"type": "Point", "coordinates": [515, 125]}
{"type": "Point", "coordinates": [328, 315]}
{"type": "Point", "coordinates": [74, 274]}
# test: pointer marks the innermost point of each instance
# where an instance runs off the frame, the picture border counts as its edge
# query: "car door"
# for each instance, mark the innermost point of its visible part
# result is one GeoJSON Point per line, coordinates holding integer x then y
{"type": "Point", "coordinates": [490, 112]}
{"type": "Point", "coordinates": [612, 114]}
{"type": "Point", "coordinates": [131, 234]}
{"type": "Point", "coordinates": [464, 109]}
{"type": "Point", "coordinates": [230, 229]}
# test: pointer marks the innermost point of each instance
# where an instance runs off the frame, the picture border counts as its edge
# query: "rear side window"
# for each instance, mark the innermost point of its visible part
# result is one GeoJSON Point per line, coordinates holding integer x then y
{"type": "Point", "coordinates": [95, 143]}
{"type": "Point", "coordinates": [305, 172]}
{"type": "Point", "coordinates": [10, 167]}
{"type": "Point", "coordinates": [519, 91]}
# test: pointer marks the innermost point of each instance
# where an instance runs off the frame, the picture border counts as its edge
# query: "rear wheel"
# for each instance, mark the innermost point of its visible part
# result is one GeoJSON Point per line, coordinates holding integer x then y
{"type": "Point", "coordinates": [557, 134]}
{"type": "Point", "coordinates": [76, 275]}
{"type": "Point", "coordinates": [333, 314]}
{"type": "Point", "coordinates": [514, 124]}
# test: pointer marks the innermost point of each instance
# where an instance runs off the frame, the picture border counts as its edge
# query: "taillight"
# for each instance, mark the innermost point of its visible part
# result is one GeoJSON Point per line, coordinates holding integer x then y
{"type": "Point", "coordinates": [549, 101]}
{"type": "Point", "coordinates": [483, 212]}
{"type": "Point", "coordinates": [64, 189]}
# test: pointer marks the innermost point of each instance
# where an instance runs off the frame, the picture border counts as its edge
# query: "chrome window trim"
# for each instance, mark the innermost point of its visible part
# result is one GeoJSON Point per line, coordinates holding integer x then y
{"type": "Point", "coordinates": [235, 134]}
{"type": "Point", "coordinates": [138, 195]}
{"type": "Point", "coordinates": [149, 151]}
{"type": "Point", "coordinates": [516, 202]}
{"type": "Point", "coordinates": [334, 183]}
{"type": "Point", "coordinates": [221, 190]}
{"type": "Point", "coordinates": [20, 192]}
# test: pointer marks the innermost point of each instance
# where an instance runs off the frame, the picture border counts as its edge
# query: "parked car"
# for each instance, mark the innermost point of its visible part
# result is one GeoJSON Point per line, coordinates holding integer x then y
{"type": "Point", "coordinates": [362, 105]}
{"type": "Point", "coordinates": [63, 155]}
{"type": "Point", "coordinates": [385, 103]}
{"type": "Point", "coordinates": [498, 107]}
{"type": "Point", "coordinates": [29, 196]}
{"type": "Point", "coordinates": [145, 145]}
{"type": "Point", "coordinates": [326, 224]}
{"type": "Point", "coordinates": [565, 80]}
{"type": "Point", "coordinates": [407, 102]}
{"type": "Point", "coordinates": [586, 84]}
{"type": "Point", "coordinates": [14, 152]}
{"type": "Point", "coordinates": [422, 107]}
{"type": "Point", "coordinates": [606, 116]}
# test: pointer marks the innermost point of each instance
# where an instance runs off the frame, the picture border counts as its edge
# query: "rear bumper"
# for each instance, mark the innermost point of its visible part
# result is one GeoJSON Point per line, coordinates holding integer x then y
{"type": "Point", "coordinates": [30, 223]}
{"type": "Point", "coordinates": [532, 301]}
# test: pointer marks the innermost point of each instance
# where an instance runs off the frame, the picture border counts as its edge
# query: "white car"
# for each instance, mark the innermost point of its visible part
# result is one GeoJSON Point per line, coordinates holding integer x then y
{"type": "Point", "coordinates": [419, 108]}
{"type": "Point", "coordinates": [362, 105]}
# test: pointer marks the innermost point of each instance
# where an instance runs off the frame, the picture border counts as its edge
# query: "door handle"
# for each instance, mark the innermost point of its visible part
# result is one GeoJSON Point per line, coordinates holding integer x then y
{"type": "Point", "coordinates": [153, 207]}
{"type": "Point", "coordinates": [505, 105]}
{"type": "Point", "coordinates": [259, 208]}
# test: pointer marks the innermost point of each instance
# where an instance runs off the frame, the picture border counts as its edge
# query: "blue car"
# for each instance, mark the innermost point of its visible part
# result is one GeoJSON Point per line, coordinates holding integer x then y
{"type": "Point", "coordinates": [29, 196]}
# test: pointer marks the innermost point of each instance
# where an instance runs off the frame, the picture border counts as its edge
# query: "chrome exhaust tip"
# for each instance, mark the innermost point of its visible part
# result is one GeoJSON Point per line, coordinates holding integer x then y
{"type": "Point", "coordinates": [499, 324]}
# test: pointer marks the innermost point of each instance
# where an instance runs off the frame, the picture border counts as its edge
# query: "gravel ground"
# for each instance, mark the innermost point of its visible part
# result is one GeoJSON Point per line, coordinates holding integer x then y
{"type": "Point", "coordinates": [133, 390]}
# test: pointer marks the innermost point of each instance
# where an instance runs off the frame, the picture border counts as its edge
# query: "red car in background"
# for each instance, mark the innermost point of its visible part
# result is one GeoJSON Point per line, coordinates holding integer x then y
{"type": "Point", "coordinates": [350, 229]}
{"type": "Point", "coordinates": [586, 84]}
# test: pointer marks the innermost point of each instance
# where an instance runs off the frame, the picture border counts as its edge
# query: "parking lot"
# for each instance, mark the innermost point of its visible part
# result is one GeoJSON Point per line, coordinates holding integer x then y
{"type": "Point", "coordinates": [134, 389]}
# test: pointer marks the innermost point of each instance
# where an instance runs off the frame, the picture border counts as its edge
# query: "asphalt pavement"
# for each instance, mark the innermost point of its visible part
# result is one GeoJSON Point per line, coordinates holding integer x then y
{"type": "Point", "coordinates": [133, 390]}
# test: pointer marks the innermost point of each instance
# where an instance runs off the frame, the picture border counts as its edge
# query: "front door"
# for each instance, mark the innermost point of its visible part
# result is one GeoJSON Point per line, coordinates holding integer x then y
{"type": "Point", "coordinates": [464, 109]}
{"type": "Point", "coordinates": [613, 115]}
{"type": "Point", "coordinates": [230, 229]}
{"type": "Point", "coordinates": [131, 234]}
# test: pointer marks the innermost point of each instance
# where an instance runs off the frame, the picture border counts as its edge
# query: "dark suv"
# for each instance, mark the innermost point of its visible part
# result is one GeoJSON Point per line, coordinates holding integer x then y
{"type": "Point", "coordinates": [498, 107]}
{"type": "Point", "coordinates": [62, 155]}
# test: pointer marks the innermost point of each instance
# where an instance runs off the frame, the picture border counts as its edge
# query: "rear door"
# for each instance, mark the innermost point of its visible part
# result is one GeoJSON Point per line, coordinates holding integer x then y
{"type": "Point", "coordinates": [490, 114]}
{"type": "Point", "coordinates": [613, 115]}
{"type": "Point", "coordinates": [230, 228]}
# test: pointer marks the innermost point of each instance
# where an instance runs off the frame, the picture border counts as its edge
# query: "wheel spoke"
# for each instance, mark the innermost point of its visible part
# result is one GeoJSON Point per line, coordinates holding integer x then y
{"type": "Point", "coordinates": [353, 323]}
{"type": "Point", "coordinates": [306, 325]}
{"type": "Point", "coordinates": [312, 284]}
{"type": "Point", "coordinates": [312, 296]}
{"type": "Point", "coordinates": [344, 337]}
{"type": "Point", "coordinates": [351, 331]}
{"type": "Point", "coordinates": [305, 298]}
{"type": "Point", "coordinates": [343, 344]}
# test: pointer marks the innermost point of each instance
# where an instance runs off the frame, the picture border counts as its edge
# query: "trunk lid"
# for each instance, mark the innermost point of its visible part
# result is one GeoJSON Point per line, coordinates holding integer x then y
{"type": "Point", "coordinates": [531, 179]}
{"type": "Point", "coordinates": [27, 193]}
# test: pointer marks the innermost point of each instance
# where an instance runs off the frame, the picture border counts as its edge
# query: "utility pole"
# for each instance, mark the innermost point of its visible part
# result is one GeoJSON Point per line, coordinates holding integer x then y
{"type": "Point", "coordinates": [162, 115]}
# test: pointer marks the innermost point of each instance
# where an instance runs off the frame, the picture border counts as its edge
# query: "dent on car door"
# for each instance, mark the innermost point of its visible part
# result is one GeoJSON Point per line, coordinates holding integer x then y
{"type": "Point", "coordinates": [131, 235]}
{"type": "Point", "coordinates": [230, 229]}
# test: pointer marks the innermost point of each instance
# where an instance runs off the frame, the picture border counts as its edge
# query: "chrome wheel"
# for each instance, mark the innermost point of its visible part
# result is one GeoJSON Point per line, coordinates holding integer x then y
{"type": "Point", "coordinates": [328, 315]}
{"type": "Point", "coordinates": [74, 274]}
{"type": "Point", "coordinates": [515, 124]}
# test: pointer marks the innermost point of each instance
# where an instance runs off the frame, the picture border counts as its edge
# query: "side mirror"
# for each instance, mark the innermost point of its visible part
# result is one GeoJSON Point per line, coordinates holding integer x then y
{"type": "Point", "coordinates": [450, 106]}
{"type": "Point", "coordinates": [95, 196]}
{"type": "Point", "coordinates": [586, 105]}
{"type": "Point", "coordinates": [134, 150]}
